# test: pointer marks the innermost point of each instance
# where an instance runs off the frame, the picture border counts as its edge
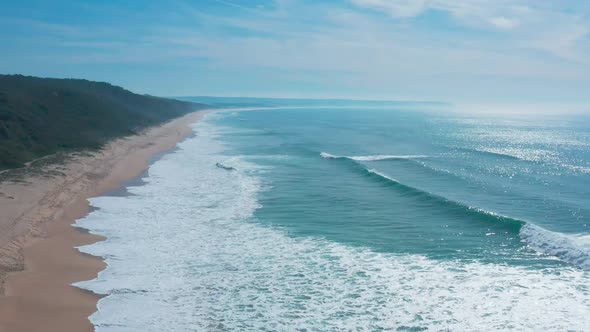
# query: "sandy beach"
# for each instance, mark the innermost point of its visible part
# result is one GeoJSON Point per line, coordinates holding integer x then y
{"type": "Point", "coordinates": [38, 258]}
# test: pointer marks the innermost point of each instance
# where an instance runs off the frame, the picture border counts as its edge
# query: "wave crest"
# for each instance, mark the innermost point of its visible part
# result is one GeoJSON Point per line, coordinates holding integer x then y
{"type": "Point", "coordinates": [372, 157]}
{"type": "Point", "coordinates": [569, 248]}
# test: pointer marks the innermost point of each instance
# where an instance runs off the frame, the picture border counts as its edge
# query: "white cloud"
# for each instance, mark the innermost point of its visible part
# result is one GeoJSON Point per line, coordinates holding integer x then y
{"type": "Point", "coordinates": [564, 42]}
{"type": "Point", "coordinates": [542, 25]}
{"type": "Point", "coordinates": [401, 8]}
{"type": "Point", "coordinates": [370, 50]}
{"type": "Point", "coordinates": [457, 8]}
{"type": "Point", "coordinates": [503, 22]}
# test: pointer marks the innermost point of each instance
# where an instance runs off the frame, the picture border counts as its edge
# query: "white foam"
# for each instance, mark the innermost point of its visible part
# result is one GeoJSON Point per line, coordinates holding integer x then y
{"type": "Point", "coordinates": [382, 175]}
{"type": "Point", "coordinates": [386, 157]}
{"type": "Point", "coordinates": [183, 255]}
{"type": "Point", "coordinates": [579, 169]}
{"type": "Point", "coordinates": [371, 158]}
{"type": "Point", "coordinates": [328, 156]}
{"type": "Point", "coordinates": [569, 248]}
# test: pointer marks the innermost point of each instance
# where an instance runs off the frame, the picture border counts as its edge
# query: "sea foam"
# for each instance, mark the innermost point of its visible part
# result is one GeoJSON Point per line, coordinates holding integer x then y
{"type": "Point", "coordinates": [371, 158]}
{"type": "Point", "coordinates": [186, 253]}
{"type": "Point", "coordinates": [574, 249]}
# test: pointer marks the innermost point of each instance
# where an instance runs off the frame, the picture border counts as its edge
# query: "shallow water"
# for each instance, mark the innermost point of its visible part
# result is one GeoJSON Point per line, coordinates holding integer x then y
{"type": "Point", "coordinates": [353, 219]}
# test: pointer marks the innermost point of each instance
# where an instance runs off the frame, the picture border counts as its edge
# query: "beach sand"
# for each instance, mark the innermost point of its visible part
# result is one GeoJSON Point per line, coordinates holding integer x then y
{"type": "Point", "coordinates": [38, 258]}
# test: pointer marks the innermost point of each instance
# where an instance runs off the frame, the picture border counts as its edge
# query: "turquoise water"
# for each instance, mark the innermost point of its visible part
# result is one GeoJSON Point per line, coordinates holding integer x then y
{"type": "Point", "coordinates": [449, 187]}
{"type": "Point", "coordinates": [398, 217]}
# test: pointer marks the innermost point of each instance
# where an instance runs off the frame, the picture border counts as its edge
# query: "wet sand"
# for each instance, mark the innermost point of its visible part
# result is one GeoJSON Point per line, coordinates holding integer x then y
{"type": "Point", "coordinates": [38, 258]}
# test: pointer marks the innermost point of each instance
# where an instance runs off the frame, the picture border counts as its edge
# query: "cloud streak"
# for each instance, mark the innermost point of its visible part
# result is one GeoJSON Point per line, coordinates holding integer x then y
{"type": "Point", "coordinates": [534, 24]}
{"type": "Point", "coordinates": [375, 48]}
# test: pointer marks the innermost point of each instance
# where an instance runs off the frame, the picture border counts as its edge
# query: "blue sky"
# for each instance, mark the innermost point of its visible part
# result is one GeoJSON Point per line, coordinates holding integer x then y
{"type": "Point", "coordinates": [450, 50]}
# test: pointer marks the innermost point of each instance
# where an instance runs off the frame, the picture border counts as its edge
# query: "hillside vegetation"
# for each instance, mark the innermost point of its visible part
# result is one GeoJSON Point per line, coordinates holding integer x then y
{"type": "Point", "coordinates": [42, 116]}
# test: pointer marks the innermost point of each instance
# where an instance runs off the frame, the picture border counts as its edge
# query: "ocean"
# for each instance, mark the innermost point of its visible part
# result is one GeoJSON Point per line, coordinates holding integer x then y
{"type": "Point", "coordinates": [353, 217]}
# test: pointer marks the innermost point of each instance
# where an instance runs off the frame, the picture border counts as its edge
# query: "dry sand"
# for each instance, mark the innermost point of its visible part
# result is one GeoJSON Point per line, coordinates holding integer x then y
{"type": "Point", "coordinates": [38, 261]}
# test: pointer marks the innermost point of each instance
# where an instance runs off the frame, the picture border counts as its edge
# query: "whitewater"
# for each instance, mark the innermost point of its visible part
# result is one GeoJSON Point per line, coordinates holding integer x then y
{"type": "Point", "coordinates": [197, 247]}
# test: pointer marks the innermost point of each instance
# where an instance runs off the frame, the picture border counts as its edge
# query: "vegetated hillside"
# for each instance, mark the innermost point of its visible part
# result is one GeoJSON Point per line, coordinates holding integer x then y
{"type": "Point", "coordinates": [41, 116]}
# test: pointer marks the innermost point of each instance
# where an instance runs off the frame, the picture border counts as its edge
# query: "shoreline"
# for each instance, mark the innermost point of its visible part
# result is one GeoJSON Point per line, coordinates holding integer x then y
{"type": "Point", "coordinates": [39, 255]}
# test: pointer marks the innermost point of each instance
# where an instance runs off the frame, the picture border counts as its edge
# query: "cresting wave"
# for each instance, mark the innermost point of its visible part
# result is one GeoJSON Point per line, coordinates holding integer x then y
{"type": "Point", "coordinates": [527, 155]}
{"type": "Point", "coordinates": [485, 152]}
{"type": "Point", "coordinates": [371, 158]}
{"type": "Point", "coordinates": [568, 248]}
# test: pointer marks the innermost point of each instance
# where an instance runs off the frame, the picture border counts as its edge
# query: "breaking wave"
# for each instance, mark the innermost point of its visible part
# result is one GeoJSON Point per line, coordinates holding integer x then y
{"type": "Point", "coordinates": [566, 247]}
{"type": "Point", "coordinates": [371, 158]}
{"type": "Point", "coordinates": [572, 249]}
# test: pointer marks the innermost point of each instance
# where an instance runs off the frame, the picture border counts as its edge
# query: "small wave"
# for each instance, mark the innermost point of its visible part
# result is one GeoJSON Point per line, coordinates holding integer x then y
{"type": "Point", "coordinates": [383, 175]}
{"type": "Point", "coordinates": [530, 155]}
{"type": "Point", "coordinates": [569, 248]}
{"type": "Point", "coordinates": [371, 158]}
{"type": "Point", "coordinates": [524, 154]}
{"type": "Point", "coordinates": [492, 153]}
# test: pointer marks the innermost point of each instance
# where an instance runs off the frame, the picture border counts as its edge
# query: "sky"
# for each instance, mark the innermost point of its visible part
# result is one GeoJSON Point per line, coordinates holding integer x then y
{"type": "Point", "coordinates": [527, 51]}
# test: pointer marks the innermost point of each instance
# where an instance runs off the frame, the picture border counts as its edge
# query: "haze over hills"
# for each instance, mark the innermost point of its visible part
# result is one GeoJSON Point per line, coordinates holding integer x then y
{"type": "Point", "coordinates": [41, 116]}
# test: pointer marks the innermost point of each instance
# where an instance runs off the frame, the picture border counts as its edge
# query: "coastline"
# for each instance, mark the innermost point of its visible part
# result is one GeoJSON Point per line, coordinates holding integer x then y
{"type": "Point", "coordinates": [39, 260]}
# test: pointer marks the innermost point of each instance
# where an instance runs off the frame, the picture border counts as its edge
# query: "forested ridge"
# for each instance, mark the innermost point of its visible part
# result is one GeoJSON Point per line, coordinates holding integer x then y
{"type": "Point", "coordinates": [41, 116]}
